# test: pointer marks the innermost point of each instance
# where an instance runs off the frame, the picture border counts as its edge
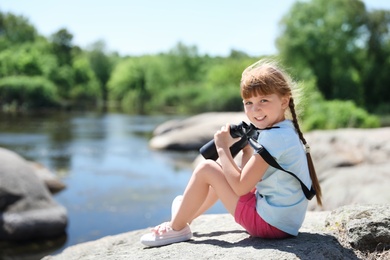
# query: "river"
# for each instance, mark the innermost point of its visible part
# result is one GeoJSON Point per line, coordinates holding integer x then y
{"type": "Point", "coordinates": [115, 182]}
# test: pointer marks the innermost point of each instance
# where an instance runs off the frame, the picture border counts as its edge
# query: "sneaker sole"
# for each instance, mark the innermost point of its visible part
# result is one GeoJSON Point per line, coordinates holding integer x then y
{"type": "Point", "coordinates": [166, 241]}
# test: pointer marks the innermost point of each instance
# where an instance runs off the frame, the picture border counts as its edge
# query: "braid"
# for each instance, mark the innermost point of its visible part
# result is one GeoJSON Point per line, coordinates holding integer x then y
{"type": "Point", "coordinates": [295, 121]}
{"type": "Point", "coordinates": [313, 175]}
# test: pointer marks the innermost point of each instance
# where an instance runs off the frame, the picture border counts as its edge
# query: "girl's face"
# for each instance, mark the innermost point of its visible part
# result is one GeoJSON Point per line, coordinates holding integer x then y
{"type": "Point", "coordinates": [265, 111]}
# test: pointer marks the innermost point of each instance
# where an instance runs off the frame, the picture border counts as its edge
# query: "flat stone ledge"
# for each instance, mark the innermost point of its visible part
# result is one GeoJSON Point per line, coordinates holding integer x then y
{"type": "Point", "coordinates": [218, 237]}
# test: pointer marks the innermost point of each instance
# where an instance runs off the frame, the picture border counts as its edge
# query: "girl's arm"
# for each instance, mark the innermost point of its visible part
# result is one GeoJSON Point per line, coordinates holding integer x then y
{"type": "Point", "coordinates": [247, 153]}
{"type": "Point", "coordinates": [241, 181]}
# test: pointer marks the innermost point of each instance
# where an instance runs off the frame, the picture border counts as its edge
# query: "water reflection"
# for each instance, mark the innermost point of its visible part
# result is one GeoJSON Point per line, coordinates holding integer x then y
{"type": "Point", "coordinates": [31, 250]}
{"type": "Point", "coordinates": [115, 183]}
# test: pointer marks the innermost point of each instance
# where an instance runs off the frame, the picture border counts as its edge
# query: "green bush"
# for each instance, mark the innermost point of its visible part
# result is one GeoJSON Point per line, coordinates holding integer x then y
{"type": "Point", "coordinates": [318, 113]}
{"type": "Point", "coordinates": [180, 99]}
{"type": "Point", "coordinates": [27, 92]}
{"type": "Point", "coordinates": [219, 99]}
{"type": "Point", "coordinates": [195, 98]}
{"type": "Point", "coordinates": [337, 114]}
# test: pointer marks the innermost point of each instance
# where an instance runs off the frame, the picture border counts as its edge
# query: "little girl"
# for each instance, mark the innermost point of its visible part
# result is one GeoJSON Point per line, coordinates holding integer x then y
{"type": "Point", "coordinates": [267, 202]}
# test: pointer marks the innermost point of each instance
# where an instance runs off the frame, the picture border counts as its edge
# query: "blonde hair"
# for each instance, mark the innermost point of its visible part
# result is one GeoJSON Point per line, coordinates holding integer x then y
{"type": "Point", "coordinates": [265, 77]}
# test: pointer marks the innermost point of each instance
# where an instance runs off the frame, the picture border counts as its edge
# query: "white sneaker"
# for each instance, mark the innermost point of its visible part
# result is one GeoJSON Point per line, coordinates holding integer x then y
{"type": "Point", "coordinates": [163, 235]}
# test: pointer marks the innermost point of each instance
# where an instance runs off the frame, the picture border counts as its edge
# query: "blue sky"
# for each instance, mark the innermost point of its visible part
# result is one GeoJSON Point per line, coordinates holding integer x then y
{"type": "Point", "coordinates": [152, 26]}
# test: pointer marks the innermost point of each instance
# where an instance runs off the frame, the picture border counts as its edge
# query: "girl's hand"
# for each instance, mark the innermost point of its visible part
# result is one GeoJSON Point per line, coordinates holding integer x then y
{"type": "Point", "coordinates": [223, 139]}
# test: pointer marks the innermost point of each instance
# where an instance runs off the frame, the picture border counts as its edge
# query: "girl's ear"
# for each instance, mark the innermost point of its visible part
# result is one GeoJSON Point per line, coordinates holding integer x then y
{"type": "Point", "coordinates": [285, 102]}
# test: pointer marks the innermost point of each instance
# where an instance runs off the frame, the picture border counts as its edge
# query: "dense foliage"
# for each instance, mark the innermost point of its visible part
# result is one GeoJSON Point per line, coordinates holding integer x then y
{"type": "Point", "coordinates": [343, 46]}
{"type": "Point", "coordinates": [336, 49]}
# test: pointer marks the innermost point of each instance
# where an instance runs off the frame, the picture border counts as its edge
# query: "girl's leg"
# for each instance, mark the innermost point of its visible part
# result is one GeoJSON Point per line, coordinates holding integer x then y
{"type": "Point", "coordinates": [206, 174]}
{"type": "Point", "coordinates": [211, 199]}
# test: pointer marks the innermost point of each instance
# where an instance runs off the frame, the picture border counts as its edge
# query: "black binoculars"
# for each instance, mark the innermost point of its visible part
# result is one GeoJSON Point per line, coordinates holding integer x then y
{"type": "Point", "coordinates": [243, 130]}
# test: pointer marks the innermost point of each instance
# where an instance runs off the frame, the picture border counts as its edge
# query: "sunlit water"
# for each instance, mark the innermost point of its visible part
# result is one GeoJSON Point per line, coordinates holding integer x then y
{"type": "Point", "coordinates": [115, 182]}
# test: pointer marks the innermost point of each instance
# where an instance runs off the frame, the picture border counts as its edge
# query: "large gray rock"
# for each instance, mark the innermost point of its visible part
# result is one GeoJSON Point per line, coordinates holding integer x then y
{"type": "Point", "coordinates": [27, 210]}
{"type": "Point", "coordinates": [352, 166]}
{"type": "Point", "coordinates": [218, 237]}
{"type": "Point", "coordinates": [193, 132]}
{"type": "Point", "coordinates": [347, 147]}
{"type": "Point", "coordinates": [352, 232]}
{"type": "Point", "coordinates": [361, 184]}
{"type": "Point", "coordinates": [52, 182]}
{"type": "Point", "coordinates": [363, 227]}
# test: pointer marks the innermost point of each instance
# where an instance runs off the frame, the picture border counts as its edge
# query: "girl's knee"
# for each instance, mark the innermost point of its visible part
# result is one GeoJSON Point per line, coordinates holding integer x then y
{"type": "Point", "coordinates": [206, 166]}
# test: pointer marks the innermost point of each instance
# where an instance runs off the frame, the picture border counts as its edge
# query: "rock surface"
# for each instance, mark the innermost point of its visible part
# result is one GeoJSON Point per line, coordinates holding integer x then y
{"type": "Point", "coordinates": [27, 209]}
{"type": "Point", "coordinates": [363, 227]}
{"type": "Point", "coordinates": [219, 237]}
{"type": "Point", "coordinates": [52, 182]}
{"type": "Point", "coordinates": [193, 132]}
{"type": "Point", "coordinates": [216, 237]}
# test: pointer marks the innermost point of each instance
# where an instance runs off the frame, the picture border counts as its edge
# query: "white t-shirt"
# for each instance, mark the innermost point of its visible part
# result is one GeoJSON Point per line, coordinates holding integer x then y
{"type": "Point", "coordinates": [280, 199]}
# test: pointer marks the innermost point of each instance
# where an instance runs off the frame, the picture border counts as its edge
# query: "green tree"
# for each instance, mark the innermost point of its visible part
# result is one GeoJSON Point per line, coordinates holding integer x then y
{"type": "Point", "coordinates": [15, 30]}
{"type": "Point", "coordinates": [376, 78]}
{"type": "Point", "coordinates": [102, 64]}
{"type": "Point", "coordinates": [342, 44]}
{"type": "Point", "coordinates": [63, 78]}
{"type": "Point", "coordinates": [322, 35]}
{"type": "Point", "coordinates": [24, 92]}
{"type": "Point", "coordinates": [85, 89]}
{"type": "Point", "coordinates": [128, 85]}
{"type": "Point", "coordinates": [318, 113]}
{"type": "Point", "coordinates": [222, 84]}
{"type": "Point", "coordinates": [30, 58]}
{"type": "Point", "coordinates": [184, 63]}
{"type": "Point", "coordinates": [62, 46]}
{"type": "Point", "coordinates": [74, 76]}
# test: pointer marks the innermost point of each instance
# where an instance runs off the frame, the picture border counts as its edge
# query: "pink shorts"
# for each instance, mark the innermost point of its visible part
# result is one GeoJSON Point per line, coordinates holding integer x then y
{"type": "Point", "coordinates": [247, 216]}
